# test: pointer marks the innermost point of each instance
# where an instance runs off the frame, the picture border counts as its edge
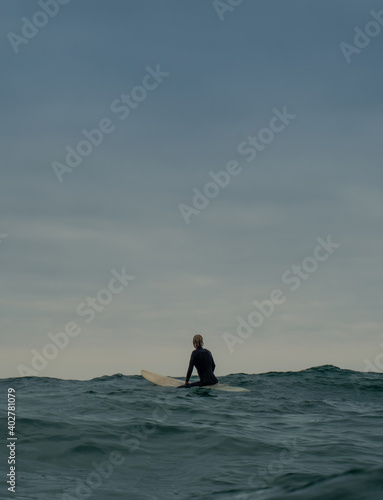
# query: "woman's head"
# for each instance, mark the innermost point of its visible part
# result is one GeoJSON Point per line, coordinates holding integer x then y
{"type": "Point", "coordinates": [197, 341]}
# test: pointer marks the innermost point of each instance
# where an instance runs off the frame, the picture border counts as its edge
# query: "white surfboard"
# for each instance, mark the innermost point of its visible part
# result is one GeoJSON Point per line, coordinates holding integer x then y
{"type": "Point", "coordinates": [164, 381]}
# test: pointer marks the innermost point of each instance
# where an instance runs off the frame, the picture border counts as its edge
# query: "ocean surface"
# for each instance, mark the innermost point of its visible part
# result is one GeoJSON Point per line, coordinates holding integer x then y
{"type": "Point", "coordinates": [313, 434]}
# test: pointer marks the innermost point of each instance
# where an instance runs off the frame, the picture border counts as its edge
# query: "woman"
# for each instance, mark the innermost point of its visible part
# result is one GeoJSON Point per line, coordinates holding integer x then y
{"type": "Point", "coordinates": [203, 360]}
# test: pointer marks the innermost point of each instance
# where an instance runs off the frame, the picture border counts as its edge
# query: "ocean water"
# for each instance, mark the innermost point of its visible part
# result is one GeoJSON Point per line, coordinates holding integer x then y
{"type": "Point", "coordinates": [314, 434]}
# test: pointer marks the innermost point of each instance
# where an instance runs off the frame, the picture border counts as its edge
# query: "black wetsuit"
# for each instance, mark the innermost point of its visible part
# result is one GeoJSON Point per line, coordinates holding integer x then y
{"type": "Point", "coordinates": [203, 360]}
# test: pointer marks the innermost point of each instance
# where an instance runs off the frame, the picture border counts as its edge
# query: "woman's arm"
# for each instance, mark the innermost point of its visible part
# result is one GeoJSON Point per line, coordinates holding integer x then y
{"type": "Point", "coordinates": [190, 369]}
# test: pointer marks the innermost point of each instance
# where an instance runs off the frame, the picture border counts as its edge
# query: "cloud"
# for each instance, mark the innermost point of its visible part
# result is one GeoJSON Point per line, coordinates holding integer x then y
{"type": "Point", "coordinates": [119, 207]}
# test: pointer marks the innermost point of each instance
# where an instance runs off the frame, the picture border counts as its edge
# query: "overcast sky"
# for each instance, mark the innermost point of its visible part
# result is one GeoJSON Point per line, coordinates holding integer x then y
{"type": "Point", "coordinates": [224, 74]}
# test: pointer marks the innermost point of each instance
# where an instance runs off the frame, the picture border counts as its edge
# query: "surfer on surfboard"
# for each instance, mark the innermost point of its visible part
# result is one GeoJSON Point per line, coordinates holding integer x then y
{"type": "Point", "coordinates": [203, 360]}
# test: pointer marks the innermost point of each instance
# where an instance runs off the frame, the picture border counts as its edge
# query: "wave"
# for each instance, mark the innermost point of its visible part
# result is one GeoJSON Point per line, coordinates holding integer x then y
{"type": "Point", "coordinates": [309, 434]}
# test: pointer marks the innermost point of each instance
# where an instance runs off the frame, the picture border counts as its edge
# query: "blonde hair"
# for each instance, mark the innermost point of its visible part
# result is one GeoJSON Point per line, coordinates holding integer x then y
{"type": "Point", "coordinates": [197, 341]}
